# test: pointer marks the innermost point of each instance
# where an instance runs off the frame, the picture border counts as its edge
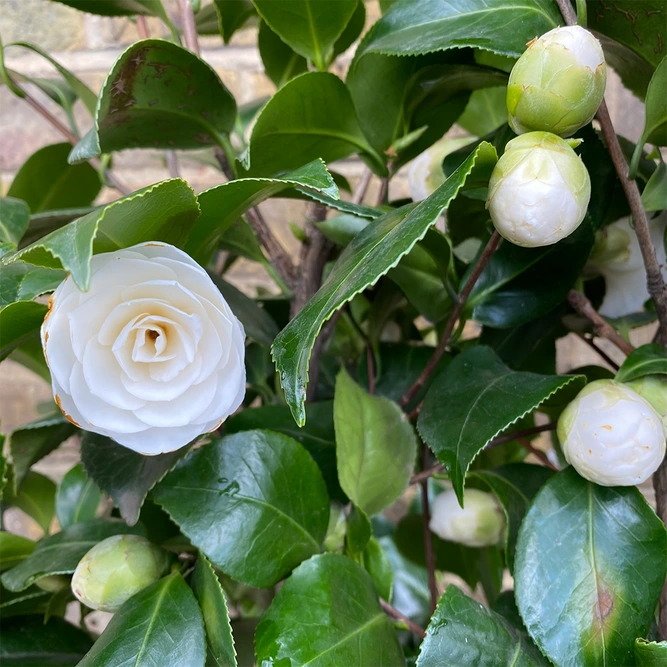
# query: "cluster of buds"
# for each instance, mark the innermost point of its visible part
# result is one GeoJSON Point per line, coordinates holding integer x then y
{"type": "Point", "coordinates": [540, 189]}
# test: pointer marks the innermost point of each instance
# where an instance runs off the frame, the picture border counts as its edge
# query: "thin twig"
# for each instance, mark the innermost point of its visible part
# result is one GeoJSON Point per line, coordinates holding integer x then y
{"type": "Point", "coordinates": [382, 193]}
{"type": "Point", "coordinates": [537, 453]}
{"type": "Point", "coordinates": [142, 27]}
{"type": "Point", "coordinates": [598, 350]}
{"type": "Point", "coordinates": [601, 327]}
{"type": "Point", "coordinates": [370, 369]}
{"type": "Point", "coordinates": [429, 555]}
{"type": "Point", "coordinates": [451, 322]}
{"type": "Point", "coordinates": [360, 191]}
{"type": "Point", "coordinates": [394, 613]}
{"type": "Point", "coordinates": [567, 10]}
{"type": "Point", "coordinates": [188, 25]}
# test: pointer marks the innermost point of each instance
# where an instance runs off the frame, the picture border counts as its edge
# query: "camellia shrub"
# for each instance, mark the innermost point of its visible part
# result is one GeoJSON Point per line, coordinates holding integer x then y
{"type": "Point", "coordinates": [374, 462]}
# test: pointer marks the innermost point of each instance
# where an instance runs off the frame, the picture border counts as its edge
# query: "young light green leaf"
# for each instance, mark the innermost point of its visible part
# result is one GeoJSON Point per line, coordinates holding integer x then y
{"type": "Point", "coordinates": [327, 613]}
{"type": "Point", "coordinates": [358, 532]}
{"type": "Point", "coordinates": [376, 446]}
{"type": "Point", "coordinates": [36, 496]}
{"type": "Point", "coordinates": [377, 564]}
{"type": "Point", "coordinates": [590, 564]}
{"type": "Point", "coordinates": [208, 591]}
{"type": "Point", "coordinates": [310, 27]}
{"type": "Point", "coordinates": [654, 195]}
{"type": "Point", "coordinates": [14, 219]}
{"type": "Point", "coordinates": [464, 632]}
{"type": "Point", "coordinates": [473, 400]}
{"type": "Point", "coordinates": [165, 212]}
{"type": "Point", "coordinates": [77, 497]}
{"type": "Point", "coordinates": [255, 503]}
{"type": "Point", "coordinates": [371, 254]}
{"type": "Point", "coordinates": [649, 359]}
{"type": "Point", "coordinates": [158, 95]}
{"type": "Point", "coordinates": [161, 625]}
{"type": "Point", "coordinates": [650, 654]}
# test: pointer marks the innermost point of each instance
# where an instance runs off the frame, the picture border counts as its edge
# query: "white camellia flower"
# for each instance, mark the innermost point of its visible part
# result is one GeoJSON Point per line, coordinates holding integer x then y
{"type": "Point", "coordinates": [611, 435]}
{"type": "Point", "coordinates": [151, 355]}
{"type": "Point", "coordinates": [480, 523]}
{"type": "Point", "coordinates": [538, 191]}
{"type": "Point", "coordinates": [558, 83]}
{"type": "Point", "coordinates": [618, 258]}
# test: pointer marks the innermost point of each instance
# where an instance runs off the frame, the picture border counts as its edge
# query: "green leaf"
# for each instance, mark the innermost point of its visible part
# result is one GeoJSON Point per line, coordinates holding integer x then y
{"type": "Point", "coordinates": [377, 564]}
{"type": "Point", "coordinates": [207, 589]}
{"type": "Point", "coordinates": [650, 654]}
{"type": "Point", "coordinates": [650, 359]}
{"type": "Point", "coordinates": [281, 62]}
{"type": "Point", "coordinates": [310, 117]}
{"type": "Point", "coordinates": [358, 531]}
{"type": "Point", "coordinates": [464, 632]}
{"type": "Point", "coordinates": [590, 564]}
{"type": "Point", "coordinates": [14, 219]}
{"type": "Point", "coordinates": [31, 355]}
{"type": "Point", "coordinates": [370, 255]}
{"type": "Point", "coordinates": [21, 282]}
{"type": "Point", "coordinates": [255, 503]}
{"type": "Point", "coordinates": [29, 641]}
{"type": "Point", "coordinates": [223, 204]}
{"type": "Point", "coordinates": [353, 29]}
{"type": "Point", "coordinates": [36, 496]}
{"type": "Point", "coordinates": [33, 600]}
{"type": "Point", "coordinates": [158, 95]}
{"type": "Point", "coordinates": [654, 196]}
{"type": "Point", "coordinates": [472, 401]}
{"type": "Point", "coordinates": [161, 625]}
{"type": "Point", "coordinates": [233, 14]}
{"type": "Point", "coordinates": [19, 322]}
{"type": "Point", "coordinates": [376, 446]}
{"type": "Point", "coordinates": [327, 613]}
{"type": "Point", "coordinates": [61, 553]}
{"type": "Point", "coordinates": [14, 549]}
{"type": "Point", "coordinates": [46, 181]}
{"type": "Point", "coordinates": [486, 111]}
{"type": "Point", "coordinates": [164, 212]}
{"type": "Point", "coordinates": [77, 497]}
{"type": "Point", "coordinates": [32, 442]}
{"type": "Point", "coordinates": [124, 475]}
{"type": "Point", "coordinates": [309, 27]}
{"type": "Point", "coordinates": [515, 485]}
{"type": "Point", "coordinates": [117, 7]}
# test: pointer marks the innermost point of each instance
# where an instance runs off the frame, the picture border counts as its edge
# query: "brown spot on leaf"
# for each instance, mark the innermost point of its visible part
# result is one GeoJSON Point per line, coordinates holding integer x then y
{"type": "Point", "coordinates": [603, 606]}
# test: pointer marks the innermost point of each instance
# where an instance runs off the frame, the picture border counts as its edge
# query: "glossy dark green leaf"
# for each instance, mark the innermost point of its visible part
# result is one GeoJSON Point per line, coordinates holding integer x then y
{"type": "Point", "coordinates": [650, 654]}
{"type": "Point", "coordinates": [22, 282]}
{"type": "Point", "coordinates": [358, 531]}
{"type": "Point", "coordinates": [117, 7]}
{"type": "Point", "coordinates": [61, 553]}
{"type": "Point", "coordinates": [370, 255]}
{"type": "Point", "coordinates": [36, 496]}
{"type": "Point", "coordinates": [327, 613]}
{"type": "Point", "coordinates": [353, 29]}
{"type": "Point", "coordinates": [161, 625]}
{"type": "Point", "coordinates": [255, 503]}
{"type": "Point", "coordinates": [233, 14]}
{"type": "Point", "coordinates": [28, 641]}
{"type": "Point", "coordinates": [31, 442]}
{"type": "Point", "coordinates": [376, 446]}
{"type": "Point", "coordinates": [281, 62]}
{"type": "Point", "coordinates": [515, 485]}
{"type": "Point", "coordinates": [590, 564]}
{"type": "Point", "coordinates": [14, 549]}
{"type": "Point", "coordinates": [165, 212]}
{"type": "Point", "coordinates": [208, 591]}
{"type": "Point", "coordinates": [309, 27]}
{"type": "Point", "coordinates": [77, 497]}
{"type": "Point", "coordinates": [19, 322]}
{"type": "Point", "coordinates": [14, 219]}
{"type": "Point", "coordinates": [317, 436]}
{"type": "Point", "coordinates": [377, 564]}
{"type": "Point", "coordinates": [473, 400]}
{"type": "Point", "coordinates": [42, 224]}
{"type": "Point", "coordinates": [124, 475]}
{"type": "Point", "coordinates": [310, 117]}
{"type": "Point", "coordinates": [464, 632]}
{"type": "Point", "coordinates": [650, 359]}
{"type": "Point", "coordinates": [223, 204]}
{"type": "Point", "coordinates": [158, 95]}
{"type": "Point", "coordinates": [46, 181]}
{"type": "Point", "coordinates": [33, 600]}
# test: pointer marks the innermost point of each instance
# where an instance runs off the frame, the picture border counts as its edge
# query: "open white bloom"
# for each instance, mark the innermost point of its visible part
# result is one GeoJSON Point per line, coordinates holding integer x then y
{"type": "Point", "coordinates": [611, 435]}
{"type": "Point", "coordinates": [151, 355]}
{"type": "Point", "coordinates": [538, 191]}
{"type": "Point", "coordinates": [618, 258]}
{"type": "Point", "coordinates": [558, 83]}
{"type": "Point", "coordinates": [480, 523]}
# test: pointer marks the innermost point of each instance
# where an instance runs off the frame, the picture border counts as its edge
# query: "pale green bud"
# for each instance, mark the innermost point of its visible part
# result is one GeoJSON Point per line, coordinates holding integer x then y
{"type": "Point", "coordinates": [558, 84]}
{"type": "Point", "coordinates": [115, 569]}
{"type": "Point", "coordinates": [479, 523]}
{"type": "Point", "coordinates": [335, 538]}
{"type": "Point", "coordinates": [654, 389]}
{"type": "Point", "coordinates": [611, 435]}
{"type": "Point", "coordinates": [538, 191]}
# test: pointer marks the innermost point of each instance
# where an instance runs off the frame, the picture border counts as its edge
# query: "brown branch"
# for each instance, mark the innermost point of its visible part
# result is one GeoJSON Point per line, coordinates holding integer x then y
{"type": "Point", "coordinates": [601, 327]}
{"type": "Point", "coordinates": [567, 10]}
{"type": "Point", "coordinates": [451, 322]}
{"type": "Point", "coordinates": [360, 191]}
{"type": "Point", "coordinates": [536, 452]}
{"type": "Point", "coordinates": [188, 25]}
{"type": "Point", "coordinates": [598, 350]}
{"type": "Point", "coordinates": [142, 27]}
{"type": "Point", "coordinates": [394, 613]}
{"type": "Point", "coordinates": [429, 554]}
{"type": "Point", "coordinates": [370, 369]}
{"type": "Point", "coordinates": [382, 193]}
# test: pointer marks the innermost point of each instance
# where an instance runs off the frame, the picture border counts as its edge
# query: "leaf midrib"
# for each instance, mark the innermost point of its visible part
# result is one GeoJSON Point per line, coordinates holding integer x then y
{"type": "Point", "coordinates": [158, 603]}
{"type": "Point", "coordinates": [591, 542]}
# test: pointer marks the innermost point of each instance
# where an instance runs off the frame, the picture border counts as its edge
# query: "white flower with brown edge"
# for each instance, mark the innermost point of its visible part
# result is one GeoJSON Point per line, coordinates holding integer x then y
{"type": "Point", "coordinates": [151, 355]}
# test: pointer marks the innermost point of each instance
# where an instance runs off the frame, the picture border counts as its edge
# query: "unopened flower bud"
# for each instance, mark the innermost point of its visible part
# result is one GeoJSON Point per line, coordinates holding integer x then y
{"type": "Point", "coordinates": [539, 190]}
{"type": "Point", "coordinates": [611, 435]}
{"type": "Point", "coordinates": [653, 388]}
{"type": "Point", "coordinates": [480, 523]}
{"type": "Point", "coordinates": [557, 85]}
{"type": "Point", "coordinates": [115, 569]}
